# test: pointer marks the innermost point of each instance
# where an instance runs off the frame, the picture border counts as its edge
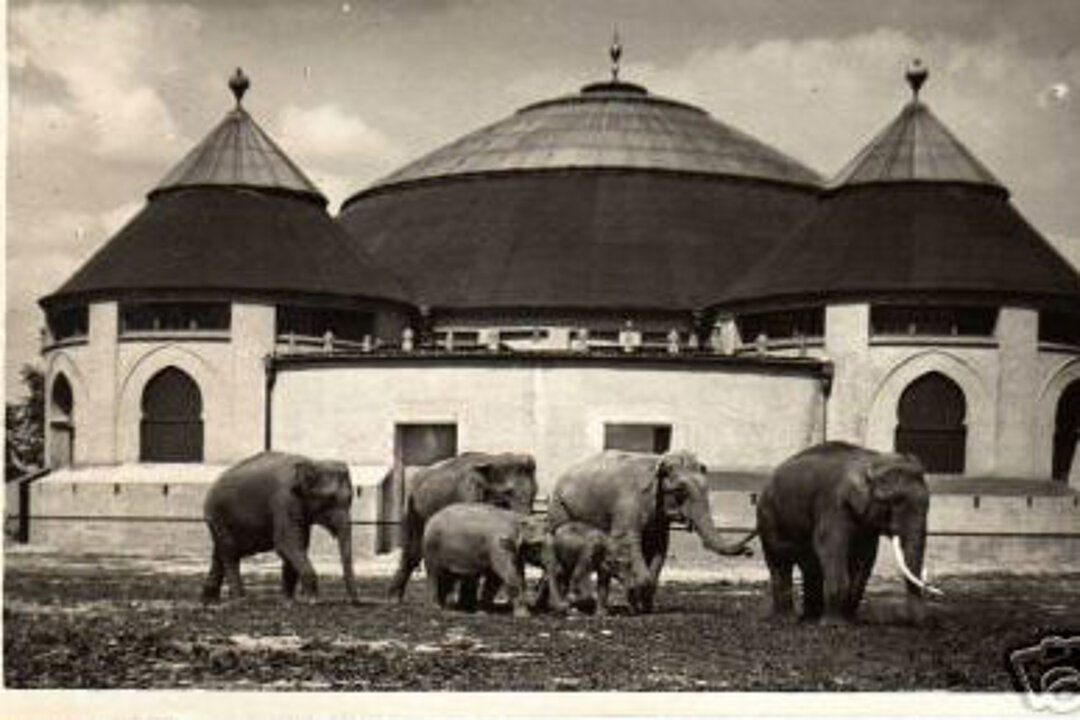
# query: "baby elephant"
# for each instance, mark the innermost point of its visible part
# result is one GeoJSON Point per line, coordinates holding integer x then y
{"type": "Point", "coordinates": [580, 550]}
{"type": "Point", "coordinates": [469, 542]}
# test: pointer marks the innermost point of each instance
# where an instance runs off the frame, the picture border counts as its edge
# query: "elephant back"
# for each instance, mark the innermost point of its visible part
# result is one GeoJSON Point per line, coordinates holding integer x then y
{"type": "Point", "coordinates": [591, 490]}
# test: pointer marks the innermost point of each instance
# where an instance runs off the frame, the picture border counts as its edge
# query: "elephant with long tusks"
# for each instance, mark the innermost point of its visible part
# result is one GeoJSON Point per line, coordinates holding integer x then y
{"type": "Point", "coordinates": [269, 502]}
{"type": "Point", "coordinates": [824, 510]}
{"type": "Point", "coordinates": [633, 497]}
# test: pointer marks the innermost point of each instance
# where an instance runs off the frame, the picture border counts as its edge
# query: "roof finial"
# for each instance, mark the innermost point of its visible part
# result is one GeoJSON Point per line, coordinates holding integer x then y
{"type": "Point", "coordinates": [615, 52]}
{"type": "Point", "coordinates": [916, 76]}
{"type": "Point", "coordinates": [239, 85]}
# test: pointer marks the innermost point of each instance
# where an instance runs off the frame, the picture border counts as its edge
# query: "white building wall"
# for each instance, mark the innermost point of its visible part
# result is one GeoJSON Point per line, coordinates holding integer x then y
{"type": "Point", "coordinates": [731, 419]}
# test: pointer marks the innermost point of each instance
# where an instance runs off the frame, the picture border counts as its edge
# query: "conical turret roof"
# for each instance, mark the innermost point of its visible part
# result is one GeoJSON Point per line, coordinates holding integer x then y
{"type": "Point", "coordinates": [235, 218]}
{"type": "Point", "coordinates": [916, 146]}
{"type": "Point", "coordinates": [915, 213]}
{"type": "Point", "coordinates": [238, 153]}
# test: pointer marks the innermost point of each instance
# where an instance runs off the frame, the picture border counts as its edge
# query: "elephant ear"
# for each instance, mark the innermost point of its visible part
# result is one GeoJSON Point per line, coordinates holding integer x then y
{"type": "Point", "coordinates": [305, 478]}
{"type": "Point", "coordinates": [855, 491]}
{"type": "Point", "coordinates": [481, 480]}
{"type": "Point", "coordinates": [668, 467]}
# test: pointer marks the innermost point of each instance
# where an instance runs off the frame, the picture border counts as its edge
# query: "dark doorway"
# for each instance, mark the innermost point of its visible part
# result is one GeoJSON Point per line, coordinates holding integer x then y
{"type": "Point", "coordinates": [637, 437]}
{"type": "Point", "coordinates": [931, 423]}
{"type": "Point", "coordinates": [415, 446]}
{"type": "Point", "coordinates": [61, 423]}
{"type": "Point", "coordinates": [171, 429]}
{"type": "Point", "coordinates": [1066, 430]}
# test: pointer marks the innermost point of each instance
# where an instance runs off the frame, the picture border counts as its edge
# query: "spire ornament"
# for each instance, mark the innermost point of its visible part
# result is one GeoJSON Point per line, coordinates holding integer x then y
{"type": "Point", "coordinates": [916, 75]}
{"type": "Point", "coordinates": [616, 53]}
{"type": "Point", "coordinates": [239, 84]}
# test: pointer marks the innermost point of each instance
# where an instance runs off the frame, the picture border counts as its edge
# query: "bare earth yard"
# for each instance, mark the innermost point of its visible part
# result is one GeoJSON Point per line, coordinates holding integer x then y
{"type": "Point", "coordinates": [97, 622]}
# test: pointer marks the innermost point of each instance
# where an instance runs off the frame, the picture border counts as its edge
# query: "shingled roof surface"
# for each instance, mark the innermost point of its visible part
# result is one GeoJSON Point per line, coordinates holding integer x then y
{"type": "Point", "coordinates": [235, 240]}
{"type": "Point", "coordinates": [238, 153]}
{"type": "Point", "coordinates": [888, 238]}
{"type": "Point", "coordinates": [915, 146]}
{"type": "Point", "coordinates": [610, 198]}
{"type": "Point", "coordinates": [574, 239]}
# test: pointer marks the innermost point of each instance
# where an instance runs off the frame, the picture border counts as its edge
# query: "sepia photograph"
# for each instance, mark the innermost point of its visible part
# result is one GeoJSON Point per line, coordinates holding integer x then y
{"type": "Point", "coordinates": [532, 357]}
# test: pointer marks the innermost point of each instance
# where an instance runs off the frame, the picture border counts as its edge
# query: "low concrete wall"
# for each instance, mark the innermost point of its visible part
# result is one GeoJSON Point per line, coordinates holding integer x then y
{"type": "Point", "coordinates": [142, 516]}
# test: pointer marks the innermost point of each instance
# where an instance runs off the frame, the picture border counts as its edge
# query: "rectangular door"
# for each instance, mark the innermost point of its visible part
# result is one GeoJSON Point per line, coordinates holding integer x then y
{"type": "Point", "coordinates": [416, 446]}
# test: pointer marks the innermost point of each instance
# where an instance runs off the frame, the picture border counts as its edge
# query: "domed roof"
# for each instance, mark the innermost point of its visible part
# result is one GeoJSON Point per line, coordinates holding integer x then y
{"type": "Point", "coordinates": [608, 199]}
{"type": "Point", "coordinates": [914, 212]}
{"type": "Point", "coordinates": [235, 216]}
{"type": "Point", "coordinates": [609, 125]}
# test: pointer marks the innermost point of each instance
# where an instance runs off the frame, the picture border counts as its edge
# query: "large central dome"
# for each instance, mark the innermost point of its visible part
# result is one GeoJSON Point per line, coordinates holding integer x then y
{"type": "Point", "coordinates": [609, 199]}
{"type": "Point", "coordinates": [613, 125]}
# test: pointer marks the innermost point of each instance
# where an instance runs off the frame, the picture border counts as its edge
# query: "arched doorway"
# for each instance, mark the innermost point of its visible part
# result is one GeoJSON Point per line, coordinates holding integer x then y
{"type": "Point", "coordinates": [61, 423]}
{"type": "Point", "coordinates": [171, 429]}
{"type": "Point", "coordinates": [930, 424]}
{"type": "Point", "coordinates": [1066, 431]}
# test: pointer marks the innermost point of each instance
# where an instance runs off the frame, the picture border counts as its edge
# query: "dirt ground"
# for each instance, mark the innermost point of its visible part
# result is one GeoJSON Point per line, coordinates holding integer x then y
{"type": "Point", "coordinates": [106, 622]}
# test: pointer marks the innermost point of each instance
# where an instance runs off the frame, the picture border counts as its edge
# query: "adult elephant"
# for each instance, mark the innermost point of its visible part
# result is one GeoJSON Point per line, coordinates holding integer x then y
{"type": "Point", "coordinates": [506, 480]}
{"type": "Point", "coordinates": [633, 497]}
{"type": "Point", "coordinates": [824, 510]}
{"type": "Point", "coordinates": [269, 502]}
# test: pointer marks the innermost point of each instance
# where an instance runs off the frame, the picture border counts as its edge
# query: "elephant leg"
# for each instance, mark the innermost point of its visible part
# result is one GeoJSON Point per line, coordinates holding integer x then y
{"type": "Point", "coordinates": [833, 550]}
{"type": "Point", "coordinates": [509, 570]}
{"type": "Point", "coordinates": [489, 590]}
{"type": "Point", "coordinates": [603, 588]}
{"type": "Point", "coordinates": [467, 588]}
{"type": "Point", "coordinates": [289, 578]}
{"type": "Point", "coordinates": [629, 546]}
{"type": "Point", "coordinates": [212, 588]}
{"type": "Point", "coordinates": [657, 554]}
{"type": "Point", "coordinates": [291, 547]}
{"type": "Point", "coordinates": [412, 536]}
{"type": "Point", "coordinates": [861, 562]}
{"type": "Point", "coordinates": [434, 583]}
{"type": "Point", "coordinates": [783, 597]}
{"type": "Point", "coordinates": [813, 588]}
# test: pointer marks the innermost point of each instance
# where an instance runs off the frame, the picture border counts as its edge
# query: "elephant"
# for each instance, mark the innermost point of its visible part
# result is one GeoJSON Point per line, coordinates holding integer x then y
{"type": "Point", "coordinates": [506, 480]}
{"type": "Point", "coordinates": [824, 508]}
{"type": "Point", "coordinates": [633, 497]}
{"type": "Point", "coordinates": [467, 542]}
{"type": "Point", "coordinates": [580, 550]}
{"type": "Point", "coordinates": [269, 502]}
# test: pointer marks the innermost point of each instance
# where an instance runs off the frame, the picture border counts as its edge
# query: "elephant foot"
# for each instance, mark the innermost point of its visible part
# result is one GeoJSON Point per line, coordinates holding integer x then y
{"type": "Point", "coordinates": [836, 621]}
{"type": "Point", "coordinates": [521, 611]}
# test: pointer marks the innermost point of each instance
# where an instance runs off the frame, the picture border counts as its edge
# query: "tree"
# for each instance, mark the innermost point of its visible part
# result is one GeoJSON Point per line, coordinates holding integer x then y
{"type": "Point", "coordinates": [24, 424]}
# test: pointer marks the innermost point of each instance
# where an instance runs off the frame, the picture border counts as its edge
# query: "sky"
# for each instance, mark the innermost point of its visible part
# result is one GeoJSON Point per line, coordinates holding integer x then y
{"type": "Point", "coordinates": [104, 97]}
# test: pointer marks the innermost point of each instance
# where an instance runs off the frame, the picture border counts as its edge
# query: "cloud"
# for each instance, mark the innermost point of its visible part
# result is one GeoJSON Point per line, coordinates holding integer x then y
{"type": "Point", "coordinates": [327, 132]}
{"type": "Point", "coordinates": [821, 100]}
{"type": "Point", "coordinates": [108, 62]}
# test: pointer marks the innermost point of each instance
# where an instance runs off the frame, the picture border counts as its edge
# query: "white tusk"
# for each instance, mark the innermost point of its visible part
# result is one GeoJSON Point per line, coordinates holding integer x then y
{"type": "Point", "coordinates": [925, 587]}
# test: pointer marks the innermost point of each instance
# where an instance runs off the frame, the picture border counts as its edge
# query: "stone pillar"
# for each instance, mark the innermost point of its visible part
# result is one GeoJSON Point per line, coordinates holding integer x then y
{"type": "Point", "coordinates": [252, 339]}
{"type": "Point", "coordinates": [95, 425]}
{"type": "Point", "coordinates": [1017, 334]}
{"type": "Point", "coordinates": [847, 345]}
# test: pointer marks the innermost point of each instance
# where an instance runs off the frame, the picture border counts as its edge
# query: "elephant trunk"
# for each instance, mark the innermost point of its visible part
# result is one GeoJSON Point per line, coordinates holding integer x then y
{"type": "Point", "coordinates": [700, 518]}
{"type": "Point", "coordinates": [341, 526]}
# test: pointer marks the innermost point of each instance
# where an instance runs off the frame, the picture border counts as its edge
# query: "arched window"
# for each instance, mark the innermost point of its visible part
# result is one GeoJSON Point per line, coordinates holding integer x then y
{"type": "Point", "coordinates": [171, 429]}
{"type": "Point", "coordinates": [931, 423]}
{"type": "Point", "coordinates": [61, 423]}
{"type": "Point", "coordinates": [1066, 430]}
